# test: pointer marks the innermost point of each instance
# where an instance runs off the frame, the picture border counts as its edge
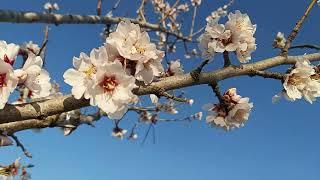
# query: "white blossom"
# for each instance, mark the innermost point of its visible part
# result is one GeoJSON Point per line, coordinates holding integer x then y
{"type": "Point", "coordinates": [55, 6]}
{"type": "Point", "coordinates": [51, 7]}
{"type": "Point", "coordinates": [216, 15]}
{"type": "Point", "coordinates": [118, 132]}
{"type": "Point", "coordinates": [103, 80]}
{"type": "Point", "coordinates": [221, 38]}
{"type": "Point", "coordinates": [35, 78]}
{"type": "Point", "coordinates": [279, 41]}
{"type": "Point", "coordinates": [31, 47]}
{"type": "Point", "coordinates": [147, 117]}
{"type": "Point", "coordinates": [195, 2]}
{"type": "Point", "coordinates": [134, 45]}
{"type": "Point", "coordinates": [197, 116]}
{"type": "Point", "coordinates": [175, 68]}
{"type": "Point", "coordinates": [112, 90]}
{"type": "Point", "coordinates": [10, 171]}
{"type": "Point", "coordinates": [154, 98]}
{"type": "Point", "coordinates": [183, 7]}
{"type": "Point", "coordinates": [233, 113]}
{"type": "Point", "coordinates": [300, 83]}
{"type": "Point", "coordinates": [242, 31]}
{"type": "Point", "coordinates": [8, 82]}
{"type": "Point", "coordinates": [47, 6]}
{"type": "Point", "coordinates": [82, 77]}
{"type": "Point", "coordinates": [204, 40]}
{"type": "Point", "coordinates": [25, 175]}
{"type": "Point", "coordinates": [190, 102]}
{"type": "Point", "coordinates": [8, 52]}
{"type": "Point", "coordinates": [236, 35]}
{"type": "Point", "coordinates": [133, 136]}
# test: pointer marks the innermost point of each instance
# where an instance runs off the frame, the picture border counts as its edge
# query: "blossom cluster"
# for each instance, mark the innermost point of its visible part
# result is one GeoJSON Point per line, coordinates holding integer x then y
{"type": "Point", "coordinates": [107, 76]}
{"type": "Point", "coordinates": [171, 12]}
{"type": "Point", "coordinates": [31, 76]}
{"type": "Point", "coordinates": [302, 80]}
{"type": "Point", "coordinates": [13, 169]}
{"type": "Point", "coordinates": [236, 35]}
{"type": "Point", "coordinates": [232, 113]}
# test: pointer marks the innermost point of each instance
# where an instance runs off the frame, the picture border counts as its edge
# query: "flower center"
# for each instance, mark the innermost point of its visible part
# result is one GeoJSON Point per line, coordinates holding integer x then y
{"type": "Point", "coordinates": [7, 60]}
{"type": "Point", "coordinates": [109, 83]}
{"type": "Point", "coordinates": [128, 64]}
{"type": "Point", "coordinates": [226, 41]}
{"type": "Point", "coordinates": [91, 70]}
{"type": "Point", "coordinates": [3, 80]}
{"type": "Point", "coordinates": [141, 50]}
{"type": "Point", "coordinates": [295, 80]}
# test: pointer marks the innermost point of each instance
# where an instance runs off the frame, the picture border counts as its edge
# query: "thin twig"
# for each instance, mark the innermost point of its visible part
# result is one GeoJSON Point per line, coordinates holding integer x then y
{"type": "Point", "coordinates": [193, 21]}
{"type": "Point", "coordinates": [147, 133]}
{"type": "Point", "coordinates": [297, 28]}
{"type": "Point", "coordinates": [310, 46]}
{"type": "Point", "coordinates": [141, 10]}
{"type": "Point", "coordinates": [116, 5]}
{"type": "Point", "coordinates": [199, 31]}
{"type": "Point", "coordinates": [195, 74]}
{"type": "Point", "coordinates": [45, 41]}
{"type": "Point", "coordinates": [99, 7]}
{"type": "Point", "coordinates": [167, 15]}
{"type": "Point", "coordinates": [226, 59]}
{"type": "Point", "coordinates": [19, 144]}
{"type": "Point", "coordinates": [42, 47]}
{"type": "Point", "coordinates": [215, 87]}
{"type": "Point", "coordinates": [170, 96]}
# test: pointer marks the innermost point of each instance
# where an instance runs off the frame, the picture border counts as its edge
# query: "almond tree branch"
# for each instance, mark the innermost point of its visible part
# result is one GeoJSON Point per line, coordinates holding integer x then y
{"type": "Point", "coordinates": [49, 107]}
{"type": "Point", "coordinates": [52, 18]}
{"type": "Point", "coordinates": [266, 74]}
{"type": "Point", "coordinates": [19, 144]}
{"type": "Point", "coordinates": [297, 28]}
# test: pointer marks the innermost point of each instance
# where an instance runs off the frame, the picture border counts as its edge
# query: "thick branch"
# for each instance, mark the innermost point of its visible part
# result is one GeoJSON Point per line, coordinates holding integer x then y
{"type": "Point", "coordinates": [13, 127]}
{"type": "Point", "coordinates": [33, 17]}
{"type": "Point", "coordinates": [45, 108]}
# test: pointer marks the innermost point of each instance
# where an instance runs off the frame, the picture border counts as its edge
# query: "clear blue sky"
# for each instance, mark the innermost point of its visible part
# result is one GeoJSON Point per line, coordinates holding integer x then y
{"type": "Point", "coordinates": [280, 141]}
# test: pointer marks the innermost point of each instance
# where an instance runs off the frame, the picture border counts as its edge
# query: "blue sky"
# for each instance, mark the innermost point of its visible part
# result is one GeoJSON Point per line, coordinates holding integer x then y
{"type": "Point", "coordinates": [280, 141]}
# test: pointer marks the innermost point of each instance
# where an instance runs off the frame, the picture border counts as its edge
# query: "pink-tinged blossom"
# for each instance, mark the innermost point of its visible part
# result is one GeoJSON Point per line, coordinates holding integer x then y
{"type": "Point", "coordinates": [301, 82]}
{"type": "Point", "coordinates": [82, 77]}
{"type": "Point", "coordinates": [8, 52]}
{"type": "Point", "coordinates": [31, 47]}
{"type": "Point", "coordinates": [112, 90]}
{"type": "Point", "coordinates": [8, 82]}
{"type": "Point", "coordinates": [175, 68]}
{"type": "Point", "coordinates": [235, 36]}
{"type": "Point", "coordinates": [36, 79]}
{"type": "Point", "coordinates": [232, 113]}
{"type": "Point", "coordinates": [134, 45]}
